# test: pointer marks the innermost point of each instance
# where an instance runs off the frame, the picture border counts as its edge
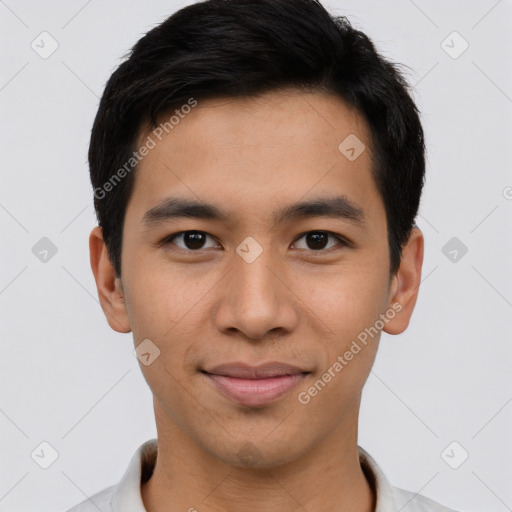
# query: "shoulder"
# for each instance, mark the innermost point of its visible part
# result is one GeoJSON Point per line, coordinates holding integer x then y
{"type": "Point", "coordinates": [413, 502]}
{"type": "Point", "coordinates": [391, 498]}
{"type": "Point", "coordinates": [101, 501]}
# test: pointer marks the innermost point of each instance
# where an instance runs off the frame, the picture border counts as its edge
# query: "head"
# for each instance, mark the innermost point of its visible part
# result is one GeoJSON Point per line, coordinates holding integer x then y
{"type": "Point", "coordinates": [247, 107]}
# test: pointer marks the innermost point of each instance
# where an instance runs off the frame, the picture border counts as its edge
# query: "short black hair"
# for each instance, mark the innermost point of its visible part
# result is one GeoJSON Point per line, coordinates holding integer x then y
{"type": "Point", "coordinates": [245, 48]}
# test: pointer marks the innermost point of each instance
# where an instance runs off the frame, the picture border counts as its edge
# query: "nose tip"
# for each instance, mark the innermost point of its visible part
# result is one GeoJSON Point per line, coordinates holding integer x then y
{"type": "Point", "coordinates": [255, 301]}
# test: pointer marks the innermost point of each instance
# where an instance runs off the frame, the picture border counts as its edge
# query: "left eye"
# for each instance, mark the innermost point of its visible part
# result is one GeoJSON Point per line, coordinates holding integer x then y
{"type": "Point", "coordinates": [317, 240]}
{"type": "Point", "coordinates": [195, 240]}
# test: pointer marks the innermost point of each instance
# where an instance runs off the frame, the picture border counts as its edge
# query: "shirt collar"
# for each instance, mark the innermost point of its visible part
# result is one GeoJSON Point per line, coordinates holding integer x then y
{"type": "Point", "coordinates": [127, 493]}
{"type": "Point", "coordinates": [381, 486]}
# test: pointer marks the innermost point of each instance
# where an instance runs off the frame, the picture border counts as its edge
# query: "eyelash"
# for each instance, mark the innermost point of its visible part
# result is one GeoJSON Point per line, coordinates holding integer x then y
{"type": "Point", "coordinates": [343, 242]}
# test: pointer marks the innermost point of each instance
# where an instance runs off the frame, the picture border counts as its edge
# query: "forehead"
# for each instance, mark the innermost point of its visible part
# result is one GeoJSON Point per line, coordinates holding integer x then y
{"type": "Point", "coordinates": [249, 154]}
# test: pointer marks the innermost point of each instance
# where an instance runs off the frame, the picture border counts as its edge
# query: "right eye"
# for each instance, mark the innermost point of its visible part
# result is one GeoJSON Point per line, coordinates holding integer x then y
{"type": "Point", "coordinates": [191, 241]}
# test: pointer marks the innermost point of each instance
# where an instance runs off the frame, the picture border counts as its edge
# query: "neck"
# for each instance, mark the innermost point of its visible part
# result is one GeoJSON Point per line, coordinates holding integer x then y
{"type": "Point", "coordinates": [327, 477]}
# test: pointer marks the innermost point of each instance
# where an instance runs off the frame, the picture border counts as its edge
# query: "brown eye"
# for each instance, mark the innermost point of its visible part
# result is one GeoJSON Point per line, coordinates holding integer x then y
{"type": "Point", "coordinates": [190, 240]}
{"type": "Point", "coordinates": [318, 240]}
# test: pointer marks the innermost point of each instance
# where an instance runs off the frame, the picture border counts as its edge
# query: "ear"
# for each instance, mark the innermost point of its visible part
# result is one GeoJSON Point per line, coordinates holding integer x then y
{"type": "Point", "coordinates": [110, 289]}
{"type": "Point", "coordinates": [405, 284]}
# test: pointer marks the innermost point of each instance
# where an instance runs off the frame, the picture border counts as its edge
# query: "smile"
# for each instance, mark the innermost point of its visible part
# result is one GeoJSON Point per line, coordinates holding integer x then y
{"type": "Point", "coordinates": [254, 392]}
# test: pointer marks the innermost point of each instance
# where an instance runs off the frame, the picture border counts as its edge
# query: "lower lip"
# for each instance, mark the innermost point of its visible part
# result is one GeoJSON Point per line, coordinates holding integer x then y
{"type": "Point", "coordinates": [253, 392]}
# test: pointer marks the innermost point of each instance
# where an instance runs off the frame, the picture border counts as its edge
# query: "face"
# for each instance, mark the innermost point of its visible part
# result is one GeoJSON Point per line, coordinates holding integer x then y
{"type": "Point", "coordinates": [242, 282]}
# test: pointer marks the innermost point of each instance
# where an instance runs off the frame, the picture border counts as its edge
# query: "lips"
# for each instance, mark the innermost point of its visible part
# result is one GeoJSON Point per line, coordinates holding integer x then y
{"type": "Point", "coordinates": [263, 371]}
{"type": "Point", "coordinates": [255, 385]}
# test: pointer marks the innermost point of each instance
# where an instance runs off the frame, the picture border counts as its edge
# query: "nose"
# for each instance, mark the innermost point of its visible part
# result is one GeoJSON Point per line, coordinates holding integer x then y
{"type": "Point", "coordinates": [255, 299]}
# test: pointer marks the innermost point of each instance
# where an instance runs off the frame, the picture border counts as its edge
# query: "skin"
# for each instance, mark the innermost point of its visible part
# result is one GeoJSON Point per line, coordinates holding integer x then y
{"type": "Point", "coordinates": [293, 304]}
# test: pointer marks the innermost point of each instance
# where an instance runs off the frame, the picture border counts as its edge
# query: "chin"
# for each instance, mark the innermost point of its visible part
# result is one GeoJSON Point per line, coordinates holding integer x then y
{"type": "Point", "coordinates": [256, 454]}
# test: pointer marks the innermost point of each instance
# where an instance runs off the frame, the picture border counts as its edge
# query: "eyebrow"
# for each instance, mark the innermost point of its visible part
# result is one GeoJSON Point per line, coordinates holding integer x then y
{"type": "Point", "coordinates": [339, 207]}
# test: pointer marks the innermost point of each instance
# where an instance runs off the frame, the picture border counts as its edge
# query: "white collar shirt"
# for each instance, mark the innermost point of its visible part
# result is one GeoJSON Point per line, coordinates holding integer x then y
{"type": "Point", "coordinates": [125, 496]}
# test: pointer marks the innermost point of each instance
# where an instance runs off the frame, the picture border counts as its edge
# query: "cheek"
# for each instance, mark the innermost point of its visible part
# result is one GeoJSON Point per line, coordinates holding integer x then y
{"type": "Point", "coordinates": [348, 302]}
{"type": "Point", "coordinates": [333, 396]}
{"type": "Point", "coordinates": [168, 307]}
{"type": "Point", "coordinates": [351, 310]}
{"type": "Point", "coordinates": [162, 296]}
{"type": "Point", "coordinates": [350, 307]}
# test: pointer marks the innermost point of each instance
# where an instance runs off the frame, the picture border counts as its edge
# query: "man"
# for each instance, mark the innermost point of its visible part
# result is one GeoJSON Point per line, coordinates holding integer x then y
{"type": "Point", "coordinates": [257, 168]}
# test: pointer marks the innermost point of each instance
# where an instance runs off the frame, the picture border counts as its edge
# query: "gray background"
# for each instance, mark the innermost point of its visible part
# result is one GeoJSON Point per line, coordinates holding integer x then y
{"type": "Point", "coordinates": [69, 380]}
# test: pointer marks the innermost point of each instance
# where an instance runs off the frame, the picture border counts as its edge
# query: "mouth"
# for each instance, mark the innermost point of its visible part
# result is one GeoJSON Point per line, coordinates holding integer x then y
{"type": "Point", "coordinates": [253, 386]}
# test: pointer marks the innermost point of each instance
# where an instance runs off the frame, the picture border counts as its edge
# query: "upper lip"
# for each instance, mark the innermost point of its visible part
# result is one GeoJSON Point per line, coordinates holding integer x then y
{"type": "Point", "coordinates": [262, 371]}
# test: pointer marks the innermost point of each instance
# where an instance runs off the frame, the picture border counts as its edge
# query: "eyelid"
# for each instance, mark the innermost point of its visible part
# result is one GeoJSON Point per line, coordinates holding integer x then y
{"type": "Point", "coordinates": [168, 238]}
{"type": "Point", "coordinates": [344, 242]}
{"type": "Point", "coordinates": [341, 239]}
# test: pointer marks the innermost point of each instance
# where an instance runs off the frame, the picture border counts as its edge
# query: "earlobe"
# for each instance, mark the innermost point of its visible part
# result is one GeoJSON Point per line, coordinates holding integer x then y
{"type": "Point", "coordinates": [110, 290]}
{"type": "Point", "coordinates": [406, 283]}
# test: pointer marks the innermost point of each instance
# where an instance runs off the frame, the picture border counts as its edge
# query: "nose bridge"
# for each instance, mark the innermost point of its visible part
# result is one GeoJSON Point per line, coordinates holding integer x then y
{"type": "Point", "coordinates": [255, 300]}
{"type": "Point", "coordinates": [255, 282]}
